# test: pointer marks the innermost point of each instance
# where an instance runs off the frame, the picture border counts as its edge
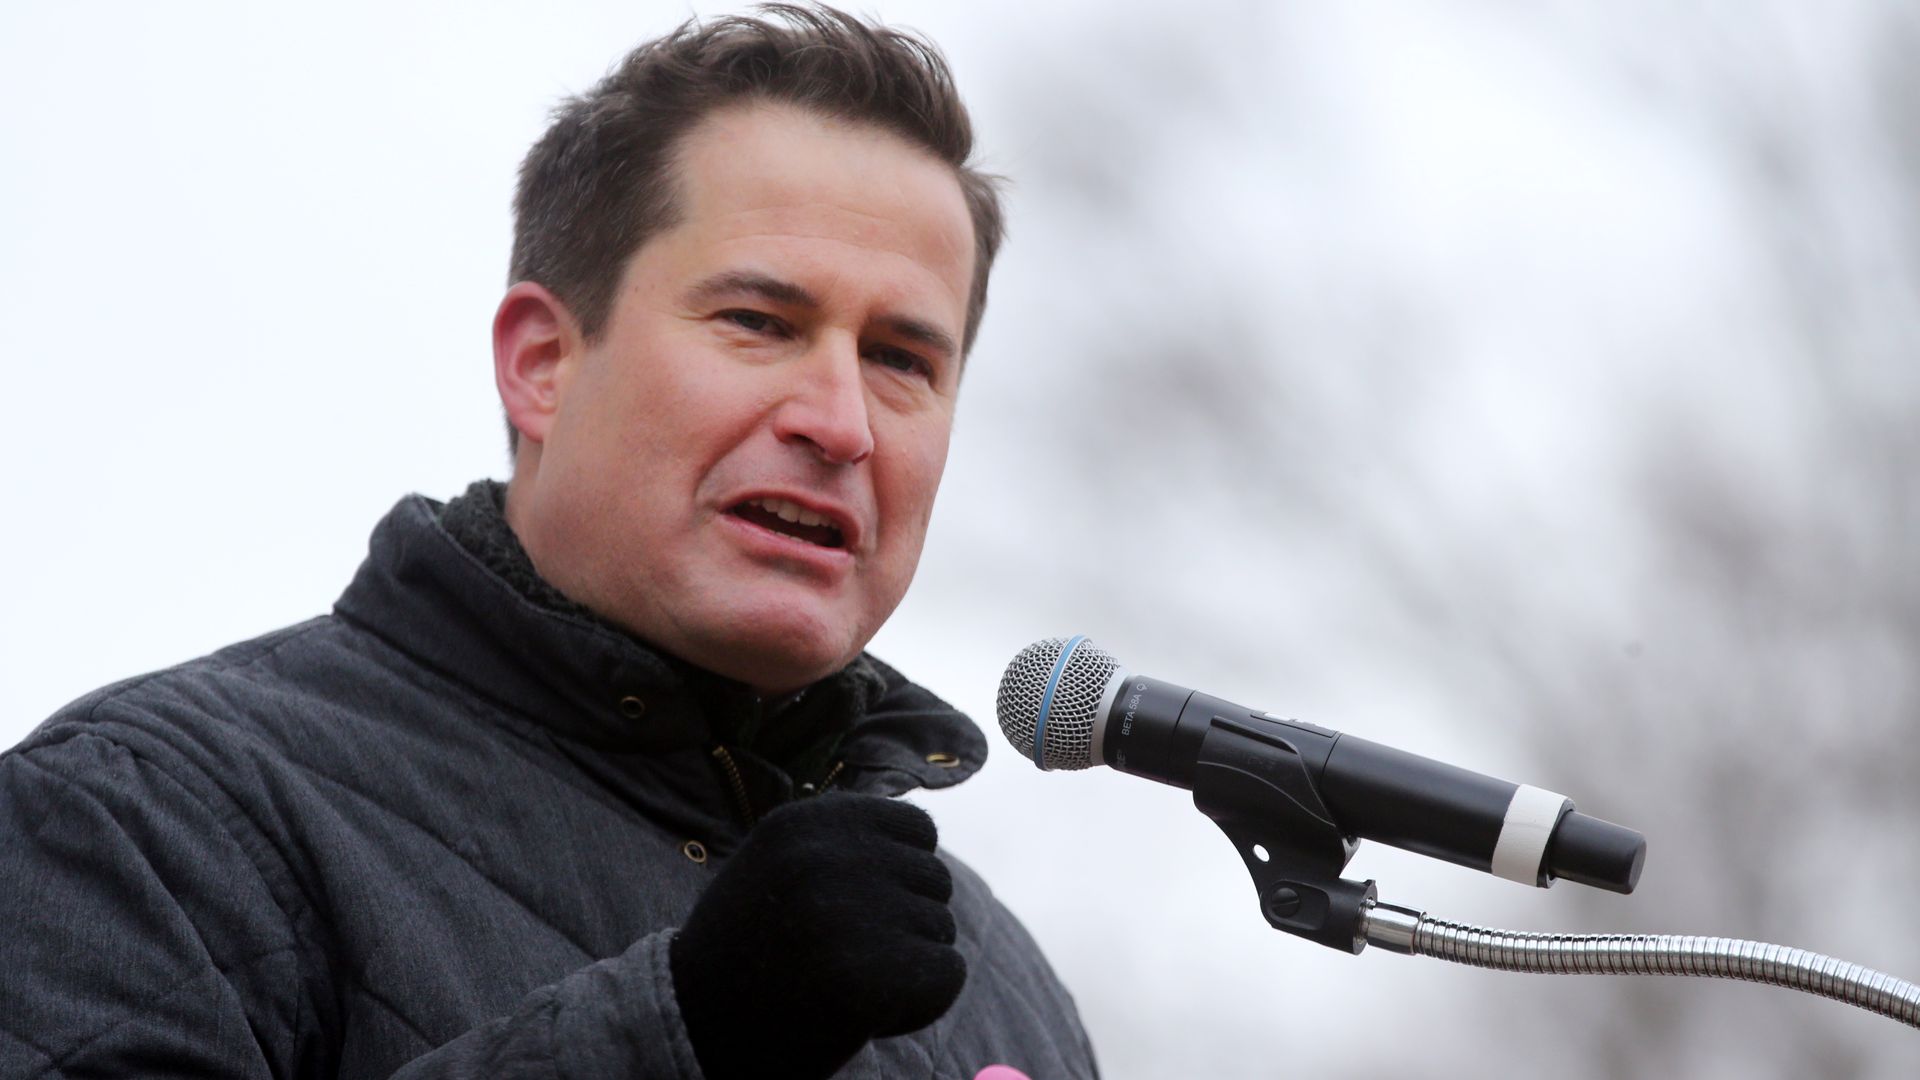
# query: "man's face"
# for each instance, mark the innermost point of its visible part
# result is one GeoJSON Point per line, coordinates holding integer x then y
{"type": "Point", "coordinates": [740, 471]}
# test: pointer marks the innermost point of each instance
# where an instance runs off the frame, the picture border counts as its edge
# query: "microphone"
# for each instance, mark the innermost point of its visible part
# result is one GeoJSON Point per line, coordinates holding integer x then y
{"type": "Point", "coordinates": [1067, 704]}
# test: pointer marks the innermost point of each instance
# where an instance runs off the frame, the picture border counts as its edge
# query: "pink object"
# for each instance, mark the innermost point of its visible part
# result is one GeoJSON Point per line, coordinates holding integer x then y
{"type": "Point", "coordinates": [1001, 1072]}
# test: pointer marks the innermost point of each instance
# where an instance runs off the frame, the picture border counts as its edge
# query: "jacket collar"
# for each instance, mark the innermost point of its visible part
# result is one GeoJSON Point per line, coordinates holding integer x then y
{"type": "Point", "coordinates": [569, 673]}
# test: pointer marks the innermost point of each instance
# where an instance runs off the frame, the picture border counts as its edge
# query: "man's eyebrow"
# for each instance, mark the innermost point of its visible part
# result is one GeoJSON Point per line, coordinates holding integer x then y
{"type": "Point", "coordinates": [922, 333]}
{"type": "Point", "coordinates": [766, 286]}
{"type": "Point", "coordinates": [780, 291]}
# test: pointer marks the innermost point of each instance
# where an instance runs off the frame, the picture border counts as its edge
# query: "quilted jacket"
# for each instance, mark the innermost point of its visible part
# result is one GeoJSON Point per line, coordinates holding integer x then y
{"type": "Point", "coordinates": [443, 831]}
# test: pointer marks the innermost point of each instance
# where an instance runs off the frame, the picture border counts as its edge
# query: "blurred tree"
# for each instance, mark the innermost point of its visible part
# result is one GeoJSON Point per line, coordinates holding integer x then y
{"type": "Point", "coordinates": [1709, 612]}
{"type": "Point", "coordinates": [1767, 704]}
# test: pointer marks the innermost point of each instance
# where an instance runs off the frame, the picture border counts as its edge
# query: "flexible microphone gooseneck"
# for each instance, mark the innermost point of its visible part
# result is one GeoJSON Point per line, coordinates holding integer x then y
{"type": "Point", "coordinates": [1294, 798]}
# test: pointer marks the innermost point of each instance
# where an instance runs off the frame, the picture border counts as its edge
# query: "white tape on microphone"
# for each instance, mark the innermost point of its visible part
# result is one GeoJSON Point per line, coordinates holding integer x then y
{"type": "Point", "coordinates": [1522, 848]}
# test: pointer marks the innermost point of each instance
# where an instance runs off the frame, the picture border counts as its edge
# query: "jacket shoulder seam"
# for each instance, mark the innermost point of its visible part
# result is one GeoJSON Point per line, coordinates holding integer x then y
{"type": "Point", "coordinates": [31, 758]}
{"type": "Point", "coordinates": [57, 1064]}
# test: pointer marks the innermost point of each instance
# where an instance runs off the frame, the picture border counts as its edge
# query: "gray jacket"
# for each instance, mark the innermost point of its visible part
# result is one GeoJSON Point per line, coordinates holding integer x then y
{"type": "Point", "coordinates": [443, 831]}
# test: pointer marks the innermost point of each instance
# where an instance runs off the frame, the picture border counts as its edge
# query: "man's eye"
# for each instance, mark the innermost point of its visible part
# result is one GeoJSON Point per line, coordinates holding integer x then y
{"type": "Point", "coordinates": [901, 361]}
{"type": "Point", "coordinates": [751, 320]}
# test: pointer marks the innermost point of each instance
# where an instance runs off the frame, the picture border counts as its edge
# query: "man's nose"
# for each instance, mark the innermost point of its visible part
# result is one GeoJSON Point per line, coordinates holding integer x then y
{"type": "Point", "coordinates": [827, 405]}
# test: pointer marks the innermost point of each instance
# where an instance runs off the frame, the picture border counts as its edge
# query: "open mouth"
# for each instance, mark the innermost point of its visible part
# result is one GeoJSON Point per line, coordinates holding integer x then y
{"type": "Point", "coordinates": [790, 519]}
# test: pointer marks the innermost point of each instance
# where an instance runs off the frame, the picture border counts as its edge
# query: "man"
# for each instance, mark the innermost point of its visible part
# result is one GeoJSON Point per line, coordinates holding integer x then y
{"type": "Point", "coordinates": [586, 777]}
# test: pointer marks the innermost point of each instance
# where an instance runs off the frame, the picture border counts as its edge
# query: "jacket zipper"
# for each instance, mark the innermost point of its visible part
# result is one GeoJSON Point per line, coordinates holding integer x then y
{"type": "Point", "coordinates": [739, 786]}
{"type": "Point", "coordinates": [832, 775]}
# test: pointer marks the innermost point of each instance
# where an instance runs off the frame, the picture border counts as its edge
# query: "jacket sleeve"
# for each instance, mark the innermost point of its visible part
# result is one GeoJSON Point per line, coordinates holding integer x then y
{"type": "Point", "coordinates": [135, 938]}
{"type": "Point", "coordinates": [139, 937]}
{"type": "Point", "coordinates": [617, 1017]}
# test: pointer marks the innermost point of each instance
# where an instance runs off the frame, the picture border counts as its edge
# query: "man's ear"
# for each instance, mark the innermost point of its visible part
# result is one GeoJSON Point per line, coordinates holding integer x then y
{"type": "Point", "coordinates": [536, 345]}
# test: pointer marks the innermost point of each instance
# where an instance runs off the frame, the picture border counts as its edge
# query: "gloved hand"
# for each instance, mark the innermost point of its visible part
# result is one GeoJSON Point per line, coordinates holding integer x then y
{"type": "Point", "coordinates": [829, 927]}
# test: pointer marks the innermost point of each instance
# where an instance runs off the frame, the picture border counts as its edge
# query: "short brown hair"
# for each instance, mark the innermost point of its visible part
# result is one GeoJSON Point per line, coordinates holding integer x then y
{"type": "Point", "coordinates": [600, 182]}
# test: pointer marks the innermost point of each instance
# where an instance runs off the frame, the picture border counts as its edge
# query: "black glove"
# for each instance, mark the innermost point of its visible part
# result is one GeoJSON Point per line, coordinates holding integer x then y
{"type": "Point", "coordinates": [829, 927]}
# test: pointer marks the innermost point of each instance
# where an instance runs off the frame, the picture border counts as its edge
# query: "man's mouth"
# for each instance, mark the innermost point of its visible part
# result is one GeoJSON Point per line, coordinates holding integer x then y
{"type": "Point", "coordinates": [791, 519]}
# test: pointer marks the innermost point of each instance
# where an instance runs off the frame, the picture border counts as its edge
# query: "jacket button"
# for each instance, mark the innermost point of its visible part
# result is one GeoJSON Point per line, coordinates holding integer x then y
{"type": "Point", "coordinates": [944, 760]}
{"type": "Point", "coordinates": [632, 707]}
{"type": "Point", "coordinates": [695, 850]}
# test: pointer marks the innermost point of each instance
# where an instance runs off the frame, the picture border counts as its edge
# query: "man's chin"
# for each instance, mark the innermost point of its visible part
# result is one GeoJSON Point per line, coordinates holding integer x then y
{"type": "Point", "coordinates": [779, 648]}
{"type": "Point", "coordinates": [776, 673]}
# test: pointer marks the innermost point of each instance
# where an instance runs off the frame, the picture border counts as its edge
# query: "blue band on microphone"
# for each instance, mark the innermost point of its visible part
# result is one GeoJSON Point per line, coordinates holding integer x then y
{"type": "Point", "coordinates": [1046, 701]}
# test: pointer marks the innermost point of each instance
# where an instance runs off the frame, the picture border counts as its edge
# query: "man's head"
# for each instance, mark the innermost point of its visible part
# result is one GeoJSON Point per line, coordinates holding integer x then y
{"type": "Point", "coordinates": [747, 268]}
{"type": "Point", "coordinates": [602, 181]}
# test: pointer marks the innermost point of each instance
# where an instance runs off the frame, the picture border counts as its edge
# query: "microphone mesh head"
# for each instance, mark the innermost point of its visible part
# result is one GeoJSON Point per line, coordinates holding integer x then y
{"type": "Point", "coordinates": [1067, 740]}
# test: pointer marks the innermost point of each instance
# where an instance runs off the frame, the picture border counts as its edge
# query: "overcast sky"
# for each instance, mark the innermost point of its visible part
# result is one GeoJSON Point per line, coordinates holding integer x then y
{"type": "Point", "coordinates": [1455, 261]}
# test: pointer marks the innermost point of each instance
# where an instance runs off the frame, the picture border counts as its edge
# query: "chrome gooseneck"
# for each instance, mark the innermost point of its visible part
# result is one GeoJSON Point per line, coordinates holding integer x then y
{"type": "Point", "coordinates": [1402, 930]}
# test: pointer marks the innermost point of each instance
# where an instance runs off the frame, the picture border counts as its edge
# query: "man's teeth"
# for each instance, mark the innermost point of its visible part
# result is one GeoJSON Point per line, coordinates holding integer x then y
{"type": "Point", "coordinates": [792, 512]}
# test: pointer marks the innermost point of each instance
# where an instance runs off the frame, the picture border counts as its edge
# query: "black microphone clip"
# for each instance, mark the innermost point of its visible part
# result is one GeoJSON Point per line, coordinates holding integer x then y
{"type": "Point", "coordinates": [1270, 808]}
